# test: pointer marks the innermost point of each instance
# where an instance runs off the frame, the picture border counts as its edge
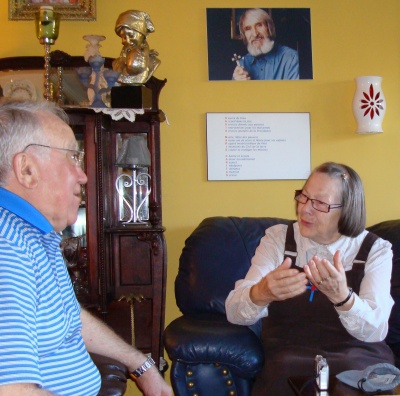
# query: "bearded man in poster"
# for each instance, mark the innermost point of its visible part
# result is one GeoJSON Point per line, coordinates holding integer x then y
{"type": "Point", "coordinates": [267, 59]}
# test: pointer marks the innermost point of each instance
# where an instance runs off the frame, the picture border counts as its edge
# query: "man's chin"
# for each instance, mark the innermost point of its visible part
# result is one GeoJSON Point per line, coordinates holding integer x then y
{"type": "Point", "coordinates": [260, 49]}
{"type": "Point", "coordinates": [254, 51]}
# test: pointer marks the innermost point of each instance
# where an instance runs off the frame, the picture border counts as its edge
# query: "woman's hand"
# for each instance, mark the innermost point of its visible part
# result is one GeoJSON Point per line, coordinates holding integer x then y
{"type": "Point", "coordinates": [281, 284]}
{"type": "Point", "coordinates": [329, 279]}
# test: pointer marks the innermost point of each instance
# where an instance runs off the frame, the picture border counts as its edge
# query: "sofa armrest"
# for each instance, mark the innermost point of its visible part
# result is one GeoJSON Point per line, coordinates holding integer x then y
{"type": "Point", "coordinates": [113, 375]}
{"type": "Point", "coordinates": [210, 338]}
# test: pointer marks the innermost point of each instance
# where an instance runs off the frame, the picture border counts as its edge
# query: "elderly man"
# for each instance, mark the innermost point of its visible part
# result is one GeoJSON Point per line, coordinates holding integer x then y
{"type": "Point", "coordinates": [266, 60]}
{"type": "Point", "coordinates": [45, 335]}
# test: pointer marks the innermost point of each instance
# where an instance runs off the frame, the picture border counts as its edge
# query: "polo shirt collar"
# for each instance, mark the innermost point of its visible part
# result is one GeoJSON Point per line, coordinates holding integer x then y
{"type": "Point", "coordinates": [25, 210]}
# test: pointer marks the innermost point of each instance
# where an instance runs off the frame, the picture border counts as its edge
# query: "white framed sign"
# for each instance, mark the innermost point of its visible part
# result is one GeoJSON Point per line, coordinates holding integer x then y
{"type": "Point", "coordinates": [258, 146]}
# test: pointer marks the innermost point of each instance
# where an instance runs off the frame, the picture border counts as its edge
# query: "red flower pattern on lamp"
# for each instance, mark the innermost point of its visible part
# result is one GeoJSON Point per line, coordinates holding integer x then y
{"type": "Point", "coordinates": [369, 104]}
{"type": "Point", "coordinates": [372, 102]}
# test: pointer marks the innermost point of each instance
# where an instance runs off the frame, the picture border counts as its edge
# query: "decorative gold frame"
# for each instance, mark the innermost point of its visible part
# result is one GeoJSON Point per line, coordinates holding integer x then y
{"type": "Point", "coordinates": [84, 10]}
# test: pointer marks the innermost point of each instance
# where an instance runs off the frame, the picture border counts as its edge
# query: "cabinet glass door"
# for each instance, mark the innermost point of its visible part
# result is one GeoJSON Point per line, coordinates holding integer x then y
{"type": "Point", "coordinates": [133, 181]}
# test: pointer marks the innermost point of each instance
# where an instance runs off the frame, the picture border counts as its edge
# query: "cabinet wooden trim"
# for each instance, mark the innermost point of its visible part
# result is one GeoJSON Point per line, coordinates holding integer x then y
{"type": "Point", "coordinates": [114, 248]}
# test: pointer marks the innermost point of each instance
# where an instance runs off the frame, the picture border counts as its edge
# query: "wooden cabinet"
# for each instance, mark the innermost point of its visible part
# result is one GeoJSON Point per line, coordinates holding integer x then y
{"type": "Point", "coordinates": [118, 259]}
{"type": "Point", "coordinates": [126, 261]}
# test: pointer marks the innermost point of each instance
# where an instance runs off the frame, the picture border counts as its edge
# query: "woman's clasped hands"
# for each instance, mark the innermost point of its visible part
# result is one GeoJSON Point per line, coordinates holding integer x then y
{"type": "Point", "coordinates": [285, 282]}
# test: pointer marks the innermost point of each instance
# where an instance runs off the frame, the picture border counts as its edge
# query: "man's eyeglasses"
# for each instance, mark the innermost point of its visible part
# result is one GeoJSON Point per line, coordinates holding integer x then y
{"type": "Point", "coordinates": [316, 204]}
{"type": "Point", "coordinates": [75, 155]}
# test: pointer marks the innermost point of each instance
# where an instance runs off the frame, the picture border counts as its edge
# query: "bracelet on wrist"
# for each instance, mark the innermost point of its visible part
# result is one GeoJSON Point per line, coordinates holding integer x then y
{"type": "Point", "coordinates": [345, 300]}
{"type": "Point", "coordinates": [143, 368]}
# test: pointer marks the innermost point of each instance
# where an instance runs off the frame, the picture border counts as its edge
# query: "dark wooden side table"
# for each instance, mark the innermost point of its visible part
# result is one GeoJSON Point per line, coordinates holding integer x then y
{"type": "Point", "coordinates": [336, 388]}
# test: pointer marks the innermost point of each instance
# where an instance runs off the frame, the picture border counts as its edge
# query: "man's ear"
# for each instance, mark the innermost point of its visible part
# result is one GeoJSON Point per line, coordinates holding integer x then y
{"type": "Point", "coordinates": [26, 170]}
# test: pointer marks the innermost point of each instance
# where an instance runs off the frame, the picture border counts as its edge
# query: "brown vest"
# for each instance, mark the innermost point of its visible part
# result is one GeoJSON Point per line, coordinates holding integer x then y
{"type": "Point", "coordinates": [296, 330]}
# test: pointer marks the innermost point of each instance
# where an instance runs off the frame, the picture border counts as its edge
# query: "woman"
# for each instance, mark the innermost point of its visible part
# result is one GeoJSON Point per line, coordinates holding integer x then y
{"type": "Point", "coordinates": [323, 300]}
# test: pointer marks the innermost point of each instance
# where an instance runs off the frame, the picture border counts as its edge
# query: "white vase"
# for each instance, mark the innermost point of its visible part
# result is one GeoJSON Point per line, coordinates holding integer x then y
{"type": "Point", "coordinates": [93, 50]}
{"type": "Point", "coordinates": [369, 104]}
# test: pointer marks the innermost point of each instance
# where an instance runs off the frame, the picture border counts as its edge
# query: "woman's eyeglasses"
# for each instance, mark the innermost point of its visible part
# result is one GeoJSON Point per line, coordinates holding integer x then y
{"type": "Point", "coordinates": [316, 204]}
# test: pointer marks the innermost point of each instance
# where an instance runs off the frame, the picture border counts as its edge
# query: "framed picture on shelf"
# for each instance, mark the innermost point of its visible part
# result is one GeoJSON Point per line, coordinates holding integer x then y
{"type": "Point", "coordinates": [84, 10]}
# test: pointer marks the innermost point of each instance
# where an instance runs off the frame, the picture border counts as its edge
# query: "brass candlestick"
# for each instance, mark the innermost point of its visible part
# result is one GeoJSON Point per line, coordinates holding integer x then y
{"type": "Point", "coordinates": [47, 23]}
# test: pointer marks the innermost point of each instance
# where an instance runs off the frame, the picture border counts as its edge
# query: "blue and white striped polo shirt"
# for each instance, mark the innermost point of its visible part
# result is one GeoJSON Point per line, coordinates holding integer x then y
{"type": "Point", "coordinates": [40, 328]}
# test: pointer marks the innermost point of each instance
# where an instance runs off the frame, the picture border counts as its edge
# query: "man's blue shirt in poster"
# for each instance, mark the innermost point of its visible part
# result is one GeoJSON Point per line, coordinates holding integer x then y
{"type": "Point", "coordinates": [281, 63]}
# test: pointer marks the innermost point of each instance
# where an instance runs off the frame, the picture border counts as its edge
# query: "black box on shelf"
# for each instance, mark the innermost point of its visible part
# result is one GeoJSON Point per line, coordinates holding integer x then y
{"type": "Point", "coordinates": [131, 97]}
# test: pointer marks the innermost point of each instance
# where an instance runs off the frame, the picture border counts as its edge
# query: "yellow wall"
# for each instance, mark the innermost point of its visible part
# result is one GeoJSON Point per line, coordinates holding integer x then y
{"type": "Point", "coordinates": [349, 38]}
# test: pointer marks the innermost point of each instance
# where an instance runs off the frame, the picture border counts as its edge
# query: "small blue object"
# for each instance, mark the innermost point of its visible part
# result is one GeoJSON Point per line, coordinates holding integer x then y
{"type": "Point", "coordinates": [312, 289]}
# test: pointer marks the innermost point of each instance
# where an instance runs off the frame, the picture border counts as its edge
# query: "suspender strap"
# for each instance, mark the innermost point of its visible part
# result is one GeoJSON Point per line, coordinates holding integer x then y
{"type": "Point", "coordinates": [359, 262]}
{"type": "Point", "coordinates": [365, 248]}
{"type": "Point", "coordinates": [290, 244]}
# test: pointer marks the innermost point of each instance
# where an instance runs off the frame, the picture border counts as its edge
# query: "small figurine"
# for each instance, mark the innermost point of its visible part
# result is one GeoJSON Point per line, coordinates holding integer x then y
{"type": "Point", "coordinates": [137, 62]}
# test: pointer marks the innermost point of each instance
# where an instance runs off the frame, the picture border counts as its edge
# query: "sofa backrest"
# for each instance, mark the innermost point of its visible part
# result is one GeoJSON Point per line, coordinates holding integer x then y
{"type": "Point", "coordinates": [219, 252]}
{"type": "Point", "coordinates": [215, 256]}
{"type": "Point", "coordinates": [390, 230]}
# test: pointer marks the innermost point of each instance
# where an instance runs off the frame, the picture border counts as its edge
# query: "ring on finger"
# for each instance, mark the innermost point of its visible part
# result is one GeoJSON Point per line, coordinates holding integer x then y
{"type": "Point", "coordinates": [320, 282]}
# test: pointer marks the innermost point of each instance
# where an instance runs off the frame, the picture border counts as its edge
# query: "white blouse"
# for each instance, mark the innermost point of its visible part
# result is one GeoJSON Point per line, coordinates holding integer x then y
{"type": "Point", "coordinates": [367, 320]}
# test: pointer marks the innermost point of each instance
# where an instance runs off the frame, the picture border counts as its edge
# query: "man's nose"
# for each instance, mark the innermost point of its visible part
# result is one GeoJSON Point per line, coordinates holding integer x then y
{"type": "Point", "coordinates": [82, 177]}
{"type": "Point", "coordinates": [254, 31]}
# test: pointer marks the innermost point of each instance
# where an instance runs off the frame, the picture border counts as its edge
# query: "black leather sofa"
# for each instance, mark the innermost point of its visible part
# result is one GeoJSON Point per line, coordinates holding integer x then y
{"type": "Point", "coordinates": [113, 375]}
{"type": "Point", "coordinates": [209, 353]}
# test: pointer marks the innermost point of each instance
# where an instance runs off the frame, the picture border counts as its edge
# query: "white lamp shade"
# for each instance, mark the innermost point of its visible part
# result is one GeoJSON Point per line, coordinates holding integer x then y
{"type": "Point", "coordinates": [369, 104]}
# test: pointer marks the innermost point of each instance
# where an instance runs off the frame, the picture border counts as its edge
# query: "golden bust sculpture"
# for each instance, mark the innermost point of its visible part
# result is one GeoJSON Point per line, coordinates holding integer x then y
{"type": "Point", "coordinates": [137, 62]}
